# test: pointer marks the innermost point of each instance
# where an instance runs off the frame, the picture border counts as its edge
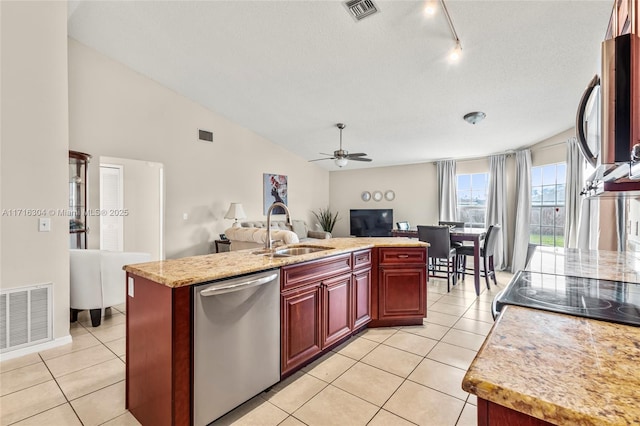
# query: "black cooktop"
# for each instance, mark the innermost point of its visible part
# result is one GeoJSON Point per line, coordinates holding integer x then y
{"type": "Point", "coordinates": [606, 300]}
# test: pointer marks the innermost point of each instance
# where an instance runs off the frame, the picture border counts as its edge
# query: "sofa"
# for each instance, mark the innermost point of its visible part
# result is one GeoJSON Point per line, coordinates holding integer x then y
{"type": "Point", "coordinates": [253, 234]}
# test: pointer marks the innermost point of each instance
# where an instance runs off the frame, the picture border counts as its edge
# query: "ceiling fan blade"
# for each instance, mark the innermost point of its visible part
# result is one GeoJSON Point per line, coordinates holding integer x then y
{"type": "Point", "coordinates": [319, 159]}
{"type": "Point", "coordinates": [360, 159]}
{"type": "Point", "coordinates": [357, 154]}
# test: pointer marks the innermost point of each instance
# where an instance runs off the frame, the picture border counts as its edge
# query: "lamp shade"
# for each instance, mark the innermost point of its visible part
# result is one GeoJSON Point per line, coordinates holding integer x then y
{"type": "Point", "coordinates": [341, 162]}
{"type": "Point", "coordinates": [235, 212]}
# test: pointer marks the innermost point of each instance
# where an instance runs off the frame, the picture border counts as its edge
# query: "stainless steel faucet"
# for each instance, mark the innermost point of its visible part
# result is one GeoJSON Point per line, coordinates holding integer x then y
{"type": "Point", "coordinates": [267, 242]}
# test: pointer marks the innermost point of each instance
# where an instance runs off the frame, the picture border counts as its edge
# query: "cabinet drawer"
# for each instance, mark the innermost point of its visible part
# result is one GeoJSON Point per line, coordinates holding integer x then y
{"type": "Point", "coordinates": [314, 271]}
{"type": "Point", "coordinates": [361, 259]}
{"type": "Point", "coordinates": [403, 255]}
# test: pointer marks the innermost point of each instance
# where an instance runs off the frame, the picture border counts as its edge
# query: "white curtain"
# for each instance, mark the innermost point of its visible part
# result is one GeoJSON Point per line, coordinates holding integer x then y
{"type": "Point", "coordinates": [573, 199]}
{"type": "Point", "coordinates": [497, 206]}
{"type": "Point", "coordinates": [523, 210]}
{"type": "Point", "coordinates": [447, 194]}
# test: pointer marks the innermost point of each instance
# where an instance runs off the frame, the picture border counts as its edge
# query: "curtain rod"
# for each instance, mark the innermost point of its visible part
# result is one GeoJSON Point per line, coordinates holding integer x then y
{"type": "Point", "coordinates": [547, 146]}
{"type": "Point", "coordinates": [508, 153]}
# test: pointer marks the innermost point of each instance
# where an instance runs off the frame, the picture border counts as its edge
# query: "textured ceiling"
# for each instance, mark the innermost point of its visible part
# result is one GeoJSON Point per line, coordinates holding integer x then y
{"type": "Point", "coordinates": [291, 70]}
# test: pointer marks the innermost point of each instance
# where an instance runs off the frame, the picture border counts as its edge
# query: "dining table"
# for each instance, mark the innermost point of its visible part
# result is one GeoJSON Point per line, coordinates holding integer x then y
{"type": "Point", "coordinates": [474, 235]}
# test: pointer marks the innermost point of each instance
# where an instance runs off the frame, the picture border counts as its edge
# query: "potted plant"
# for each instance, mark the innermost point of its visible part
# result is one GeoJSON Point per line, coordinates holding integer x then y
{"type": "Point", "coordinates": [326, 218]}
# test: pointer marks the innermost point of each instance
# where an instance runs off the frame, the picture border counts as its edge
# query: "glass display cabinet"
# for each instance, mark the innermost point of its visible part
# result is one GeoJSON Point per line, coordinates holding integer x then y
{"type": "Point", "coordinates": [78, 163]}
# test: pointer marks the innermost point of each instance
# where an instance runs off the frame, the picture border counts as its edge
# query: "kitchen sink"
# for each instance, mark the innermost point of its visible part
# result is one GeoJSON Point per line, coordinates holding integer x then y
{"type": "Point", "coordinates": [292, 251]}
{"type": "Point", "coordinates": [297, 251]}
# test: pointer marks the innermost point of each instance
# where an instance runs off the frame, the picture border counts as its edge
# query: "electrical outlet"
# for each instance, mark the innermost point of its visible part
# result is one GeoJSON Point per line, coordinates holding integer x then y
{"type": "Point", "coordinates": [44, 224]}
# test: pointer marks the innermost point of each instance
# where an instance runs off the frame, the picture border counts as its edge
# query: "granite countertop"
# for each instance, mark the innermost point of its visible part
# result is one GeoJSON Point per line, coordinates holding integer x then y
{"type": "Point", "coordinates": [602, 264]}
{"type": "Point", "coordinates": [199, 269]}
{"type": "Point", "coordinates": [559, 368]}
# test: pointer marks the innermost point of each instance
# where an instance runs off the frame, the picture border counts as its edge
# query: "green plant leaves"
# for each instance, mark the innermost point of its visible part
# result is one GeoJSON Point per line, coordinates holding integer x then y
{"type": "Point", "coordinates": [326, 219]}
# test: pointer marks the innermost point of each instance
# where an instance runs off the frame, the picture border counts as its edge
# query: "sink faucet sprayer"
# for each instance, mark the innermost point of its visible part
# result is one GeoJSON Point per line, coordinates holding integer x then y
{"type": "Point", "coordinates": [267, 242]}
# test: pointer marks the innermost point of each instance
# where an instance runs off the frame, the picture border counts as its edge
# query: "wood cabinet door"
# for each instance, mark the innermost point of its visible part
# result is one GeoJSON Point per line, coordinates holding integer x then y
{"type": "Point", "coordinates": [361, 295]}
{"type": "Point", "coordinates": [402, 292]}
{"type": "Point", "coordinates": [301, 331]}
{"type": "Point", "coordinates": [336, 306]}
{"type": "Point", "coordinates": [490, 413]}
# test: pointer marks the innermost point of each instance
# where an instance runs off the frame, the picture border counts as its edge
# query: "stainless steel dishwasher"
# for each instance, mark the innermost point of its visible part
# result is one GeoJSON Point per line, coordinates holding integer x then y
{"type": "Point", "coordinates": [236, 342]}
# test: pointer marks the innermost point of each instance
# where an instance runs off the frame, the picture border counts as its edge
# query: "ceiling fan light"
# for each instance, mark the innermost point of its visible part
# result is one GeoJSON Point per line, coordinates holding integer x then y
{"type": "Point", "coordinates": [341, 162]}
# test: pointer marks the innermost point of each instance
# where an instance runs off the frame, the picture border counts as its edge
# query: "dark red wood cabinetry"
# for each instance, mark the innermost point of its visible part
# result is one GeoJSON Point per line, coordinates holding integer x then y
{"type": "Point", "coordinates": [301, 327]}
{"type": "Point", "coordinates": [158, 368]}
{"type": "Point", "coordinates": [492, 414]}
{"type": "Point", "coordinates": [361, 288]}
{"type": "Point", "coordinates": [323, 302]}
{"type": "Point", "coordinates": [401, 290]}
{"type": "Point", "coordinates": [336, 305]}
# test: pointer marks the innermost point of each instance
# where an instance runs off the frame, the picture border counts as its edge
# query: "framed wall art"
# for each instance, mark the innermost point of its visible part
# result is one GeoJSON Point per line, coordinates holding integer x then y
{"type": "Point", "coordinates": [275, 189]}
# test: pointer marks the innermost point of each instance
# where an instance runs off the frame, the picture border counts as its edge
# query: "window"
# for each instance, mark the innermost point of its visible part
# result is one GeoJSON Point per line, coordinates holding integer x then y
{"type": "Point", "coordinates": [547, 204]}
{"type": "Point", "coordinates": [472, 198]}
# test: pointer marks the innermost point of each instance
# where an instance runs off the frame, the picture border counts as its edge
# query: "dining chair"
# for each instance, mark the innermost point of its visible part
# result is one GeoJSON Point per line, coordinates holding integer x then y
{"type": "Point", "coordinates": [455, 244]}
{"type": "Point", "coordinates": [486, 252]}
{"type": "Point", "coordinates": [439, 250]}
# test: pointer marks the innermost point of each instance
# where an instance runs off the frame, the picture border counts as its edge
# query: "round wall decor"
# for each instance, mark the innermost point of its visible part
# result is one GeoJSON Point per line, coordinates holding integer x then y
{"type": "Point", "coordinates": [366, 195]}
{"type": "Point", "coordinates": [377, 195]}
{"type": "Point", "coordinates": [389, 195]}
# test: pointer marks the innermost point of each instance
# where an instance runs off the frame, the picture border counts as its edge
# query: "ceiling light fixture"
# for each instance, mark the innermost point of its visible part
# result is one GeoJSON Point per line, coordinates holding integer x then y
{"type": "Point", "coordinates": [457, 50]}
{"type": "Point", "coordinates": [474, 117]}
{"type": "Point", "coordinates": [430, 7]}
{"type": "Point", "coordinates": [341, 162]}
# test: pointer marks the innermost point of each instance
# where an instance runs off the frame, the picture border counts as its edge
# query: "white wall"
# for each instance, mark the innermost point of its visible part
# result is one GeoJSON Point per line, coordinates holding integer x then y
{"type": "Point", "coordinates": [116, 112]}
{"type": "Point", "coordinates": [415, 186]}
{"type": "Point", "coordinates": [34, 149]}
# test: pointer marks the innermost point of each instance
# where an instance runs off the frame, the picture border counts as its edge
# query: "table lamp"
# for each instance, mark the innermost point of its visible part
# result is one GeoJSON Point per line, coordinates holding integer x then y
{"type": "Point", "coordinates": [235, 212]}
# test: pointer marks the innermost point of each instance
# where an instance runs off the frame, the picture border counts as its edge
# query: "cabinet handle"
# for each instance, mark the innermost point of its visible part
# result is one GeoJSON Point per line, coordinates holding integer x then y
{"type": "Point", "coordinates": [403, 256]}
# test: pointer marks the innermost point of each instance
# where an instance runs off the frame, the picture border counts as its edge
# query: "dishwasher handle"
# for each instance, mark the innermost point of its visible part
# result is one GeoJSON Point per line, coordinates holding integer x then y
{"type": "Point", "coordinates": [212, 291]}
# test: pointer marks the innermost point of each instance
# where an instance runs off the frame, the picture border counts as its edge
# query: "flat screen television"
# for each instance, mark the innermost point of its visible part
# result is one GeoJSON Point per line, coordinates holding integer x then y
{"type": "Point", "coordinates": [371, 222]}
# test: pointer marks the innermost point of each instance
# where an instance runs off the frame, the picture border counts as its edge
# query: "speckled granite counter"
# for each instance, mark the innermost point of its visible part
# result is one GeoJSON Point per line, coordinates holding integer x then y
{"type": "Point", "coordinates": [199, 269]}
{"type": "Point", "coordinates": [602, 264]}
{"type": "Point", "coordinates": [560, 368]}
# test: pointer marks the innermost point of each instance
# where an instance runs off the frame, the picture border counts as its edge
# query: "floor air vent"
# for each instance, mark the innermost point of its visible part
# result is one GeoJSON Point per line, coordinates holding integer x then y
{"type": "Point", "coordinates": [360, 9]}
{"type": "Point", "coordinates": [25, 316]}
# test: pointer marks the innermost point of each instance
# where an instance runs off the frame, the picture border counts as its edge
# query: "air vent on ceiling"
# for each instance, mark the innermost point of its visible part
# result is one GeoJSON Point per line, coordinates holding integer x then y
{"type": "Point", "coordinates": [205, 135]}
{"type": "Point", "coordinates": [360, 9]}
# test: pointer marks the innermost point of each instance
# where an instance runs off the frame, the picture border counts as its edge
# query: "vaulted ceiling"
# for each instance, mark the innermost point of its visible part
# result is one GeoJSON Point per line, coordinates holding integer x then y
{"type": "Point", "coordinates": [291, 70]}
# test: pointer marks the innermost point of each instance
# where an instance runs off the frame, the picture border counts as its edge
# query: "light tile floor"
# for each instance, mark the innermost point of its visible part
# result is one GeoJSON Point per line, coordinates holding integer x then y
{"type": "Point", "coordinates": [385, 376]}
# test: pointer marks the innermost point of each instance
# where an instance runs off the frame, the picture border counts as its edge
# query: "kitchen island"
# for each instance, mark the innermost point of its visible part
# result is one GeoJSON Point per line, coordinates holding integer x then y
{"type": "Point", "coordinates": [326, 296]}
{"type": "Point", "coordinates": [557, 368]}
{"type": "Point", "coordinates": [538, 367]}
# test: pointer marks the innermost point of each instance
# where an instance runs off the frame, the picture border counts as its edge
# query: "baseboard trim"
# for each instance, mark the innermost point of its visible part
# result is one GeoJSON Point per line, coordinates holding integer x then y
{"type": "Point", "coordinates": [36, 348]}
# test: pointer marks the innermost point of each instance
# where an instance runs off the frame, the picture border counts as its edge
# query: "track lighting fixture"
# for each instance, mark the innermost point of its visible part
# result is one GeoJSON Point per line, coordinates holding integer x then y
{"type": "Point", "coordinates": [457, 50]}
{"type": "Point", "coordinates": [430, 9]}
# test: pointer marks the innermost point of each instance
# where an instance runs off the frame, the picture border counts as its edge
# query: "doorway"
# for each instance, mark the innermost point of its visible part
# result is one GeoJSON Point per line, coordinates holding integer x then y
{"type": "Point", "coordinates": [132, 206]}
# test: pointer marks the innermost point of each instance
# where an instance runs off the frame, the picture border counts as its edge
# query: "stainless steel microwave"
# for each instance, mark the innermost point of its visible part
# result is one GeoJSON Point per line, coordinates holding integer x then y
{"type": "Point", "coordinates": [608, 118]}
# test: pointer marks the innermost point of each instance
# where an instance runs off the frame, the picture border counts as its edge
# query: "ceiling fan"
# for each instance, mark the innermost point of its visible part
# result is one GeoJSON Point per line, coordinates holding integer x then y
{"type": "Point", "coordinates": [341, 156]}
